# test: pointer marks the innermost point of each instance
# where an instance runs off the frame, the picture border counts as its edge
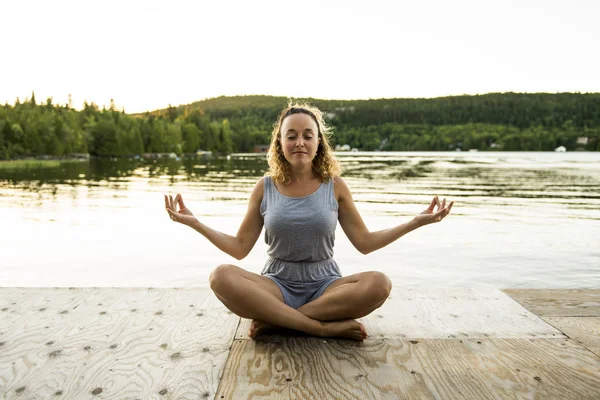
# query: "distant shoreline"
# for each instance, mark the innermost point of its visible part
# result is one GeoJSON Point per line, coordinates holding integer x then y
{"type": "Point", "coordinates": [56, 160]}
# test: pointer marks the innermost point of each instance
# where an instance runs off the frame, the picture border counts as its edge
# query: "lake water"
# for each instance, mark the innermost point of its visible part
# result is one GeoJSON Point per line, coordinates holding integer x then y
{"type": "Point", "coordinates": [519, 220]}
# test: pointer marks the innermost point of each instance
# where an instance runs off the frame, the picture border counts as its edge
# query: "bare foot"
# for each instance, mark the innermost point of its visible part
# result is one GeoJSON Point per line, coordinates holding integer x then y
{"type": "Point", "coordinates": [349, 329]}
{"type": "Point", "coordinates": [258, 327]}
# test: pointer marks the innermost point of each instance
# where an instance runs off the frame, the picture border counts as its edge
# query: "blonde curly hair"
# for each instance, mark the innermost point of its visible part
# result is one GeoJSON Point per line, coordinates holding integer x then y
{"type": "Point", "coordinates": [325, 165]}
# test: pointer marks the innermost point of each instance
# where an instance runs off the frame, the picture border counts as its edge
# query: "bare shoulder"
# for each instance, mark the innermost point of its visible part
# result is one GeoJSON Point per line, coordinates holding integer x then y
{"type": "Point", "coordinates": [257, 192]}
{"type": "Point", "coordinates": [260, 184]}
{"type": "Point", "coordinates": [341, 190]}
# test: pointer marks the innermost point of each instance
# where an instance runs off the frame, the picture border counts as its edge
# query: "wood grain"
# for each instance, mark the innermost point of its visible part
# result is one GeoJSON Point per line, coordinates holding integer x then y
{"type": "Point", "coordinates": [558, 302]}
{"type": "Point", "coordinates": [583, 330]}
{"type": "Point", "coordinates": [449, 313]}
{"type": "Point", "coordinates": [174, 343]}
{"type": "Point", "coordinates": [114, 343]}
{"type": "Point", "coordinates": [278, 367]}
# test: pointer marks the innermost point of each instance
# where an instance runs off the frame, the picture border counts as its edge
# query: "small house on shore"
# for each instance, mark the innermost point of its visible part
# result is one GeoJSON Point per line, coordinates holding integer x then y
{"type": "Point", "coordinates": [261, 148]}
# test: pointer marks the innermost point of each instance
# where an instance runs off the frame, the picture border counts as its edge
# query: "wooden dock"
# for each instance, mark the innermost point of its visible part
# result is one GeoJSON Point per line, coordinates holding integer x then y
{"type": "Point", "coordinates": [138, 343]}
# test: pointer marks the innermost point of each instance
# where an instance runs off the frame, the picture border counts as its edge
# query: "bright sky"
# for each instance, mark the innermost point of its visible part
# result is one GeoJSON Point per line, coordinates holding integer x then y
{"type": "Point", "coordinates": [148, 54]}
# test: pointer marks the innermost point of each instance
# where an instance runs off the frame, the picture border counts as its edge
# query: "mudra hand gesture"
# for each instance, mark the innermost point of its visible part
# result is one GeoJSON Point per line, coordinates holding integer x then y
{"type": "Point", "coordinates": [435, 212]}
{"type": "Point", "coordinates": [184, 215]}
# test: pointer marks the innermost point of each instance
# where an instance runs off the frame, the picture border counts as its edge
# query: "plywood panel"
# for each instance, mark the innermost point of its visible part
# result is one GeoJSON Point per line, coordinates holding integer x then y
{"type": "Point", "coordinates": [449, 313]}
{"type": "Point", "coordinates": [33, 299]}
{"type": "Point", "coordinates": [583, 330]}
{"type": "Point", "coordinates": [559, 302]}
{"type": "Point", "coordinates": [38, 307]}
{"type": "Point", "coordinates": [307, 368]}
{"type": "Point", "coordinates": [176, 346]}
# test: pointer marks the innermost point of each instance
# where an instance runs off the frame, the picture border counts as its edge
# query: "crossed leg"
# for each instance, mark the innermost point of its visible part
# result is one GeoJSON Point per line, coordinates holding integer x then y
{"type": "Point", "coordinates": [350, 297]}
{"type": "Point", "coordinates": [258, 298]}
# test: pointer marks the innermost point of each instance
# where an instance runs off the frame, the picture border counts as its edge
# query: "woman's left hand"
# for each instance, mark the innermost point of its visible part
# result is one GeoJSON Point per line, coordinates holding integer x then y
{"type": "Point", "coordinates": [436, 212]}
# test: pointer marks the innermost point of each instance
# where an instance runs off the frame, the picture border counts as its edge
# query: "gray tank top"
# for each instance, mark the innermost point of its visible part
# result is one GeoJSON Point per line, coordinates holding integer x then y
{"type": "Point", "coordinates": [300, 231]}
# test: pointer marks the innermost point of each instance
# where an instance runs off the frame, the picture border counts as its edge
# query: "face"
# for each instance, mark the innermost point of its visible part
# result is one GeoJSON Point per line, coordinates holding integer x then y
{"type": "Point", "coordinates": [299, 139]}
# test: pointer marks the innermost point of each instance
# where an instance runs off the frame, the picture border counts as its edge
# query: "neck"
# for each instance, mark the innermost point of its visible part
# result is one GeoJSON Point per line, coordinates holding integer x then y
{"type": "Point", "coordinates": [304, 174]}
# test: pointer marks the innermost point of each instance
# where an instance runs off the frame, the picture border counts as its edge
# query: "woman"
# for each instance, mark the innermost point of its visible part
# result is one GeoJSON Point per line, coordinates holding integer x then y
{"type": "Point", "coordinates": [299, 201]}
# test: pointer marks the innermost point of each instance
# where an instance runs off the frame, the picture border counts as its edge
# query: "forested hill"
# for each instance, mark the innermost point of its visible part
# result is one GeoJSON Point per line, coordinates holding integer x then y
{"type": "Point", "coordinates": [516, 109]}
{"type": "Point", "coordinates": [497, 121]}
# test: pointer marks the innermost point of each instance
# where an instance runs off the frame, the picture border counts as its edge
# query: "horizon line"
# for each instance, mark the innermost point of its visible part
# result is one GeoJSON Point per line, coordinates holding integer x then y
{"type": "Point", "coordinates": [27, 99]}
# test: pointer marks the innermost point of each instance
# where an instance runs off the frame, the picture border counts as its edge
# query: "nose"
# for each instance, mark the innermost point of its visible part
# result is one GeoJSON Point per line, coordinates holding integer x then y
{"type": "Point", "coordinates": [300, 141]}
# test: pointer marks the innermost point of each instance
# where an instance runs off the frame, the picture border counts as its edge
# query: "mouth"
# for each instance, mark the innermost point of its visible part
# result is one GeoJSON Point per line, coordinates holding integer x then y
{"type": "Point", "coordinates": [299, 152]}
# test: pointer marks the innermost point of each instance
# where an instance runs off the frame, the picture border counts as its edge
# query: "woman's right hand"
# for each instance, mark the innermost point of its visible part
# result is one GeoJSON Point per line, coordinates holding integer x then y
{"type": "Point", "coordinates": [183, 215]}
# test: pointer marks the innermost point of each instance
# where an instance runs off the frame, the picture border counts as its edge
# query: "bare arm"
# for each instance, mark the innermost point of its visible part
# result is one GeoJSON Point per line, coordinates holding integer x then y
{"type": "Point", "coordinates": [237, 246]}
{"type": "Point", "coordinates": [365, 241]}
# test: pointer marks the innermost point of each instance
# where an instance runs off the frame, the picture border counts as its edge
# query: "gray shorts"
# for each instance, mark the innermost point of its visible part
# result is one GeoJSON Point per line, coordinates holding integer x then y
{"type": "Point", "coordinates": [296, 294]}
{"type": "Point", "coordinates": [301, 282]}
